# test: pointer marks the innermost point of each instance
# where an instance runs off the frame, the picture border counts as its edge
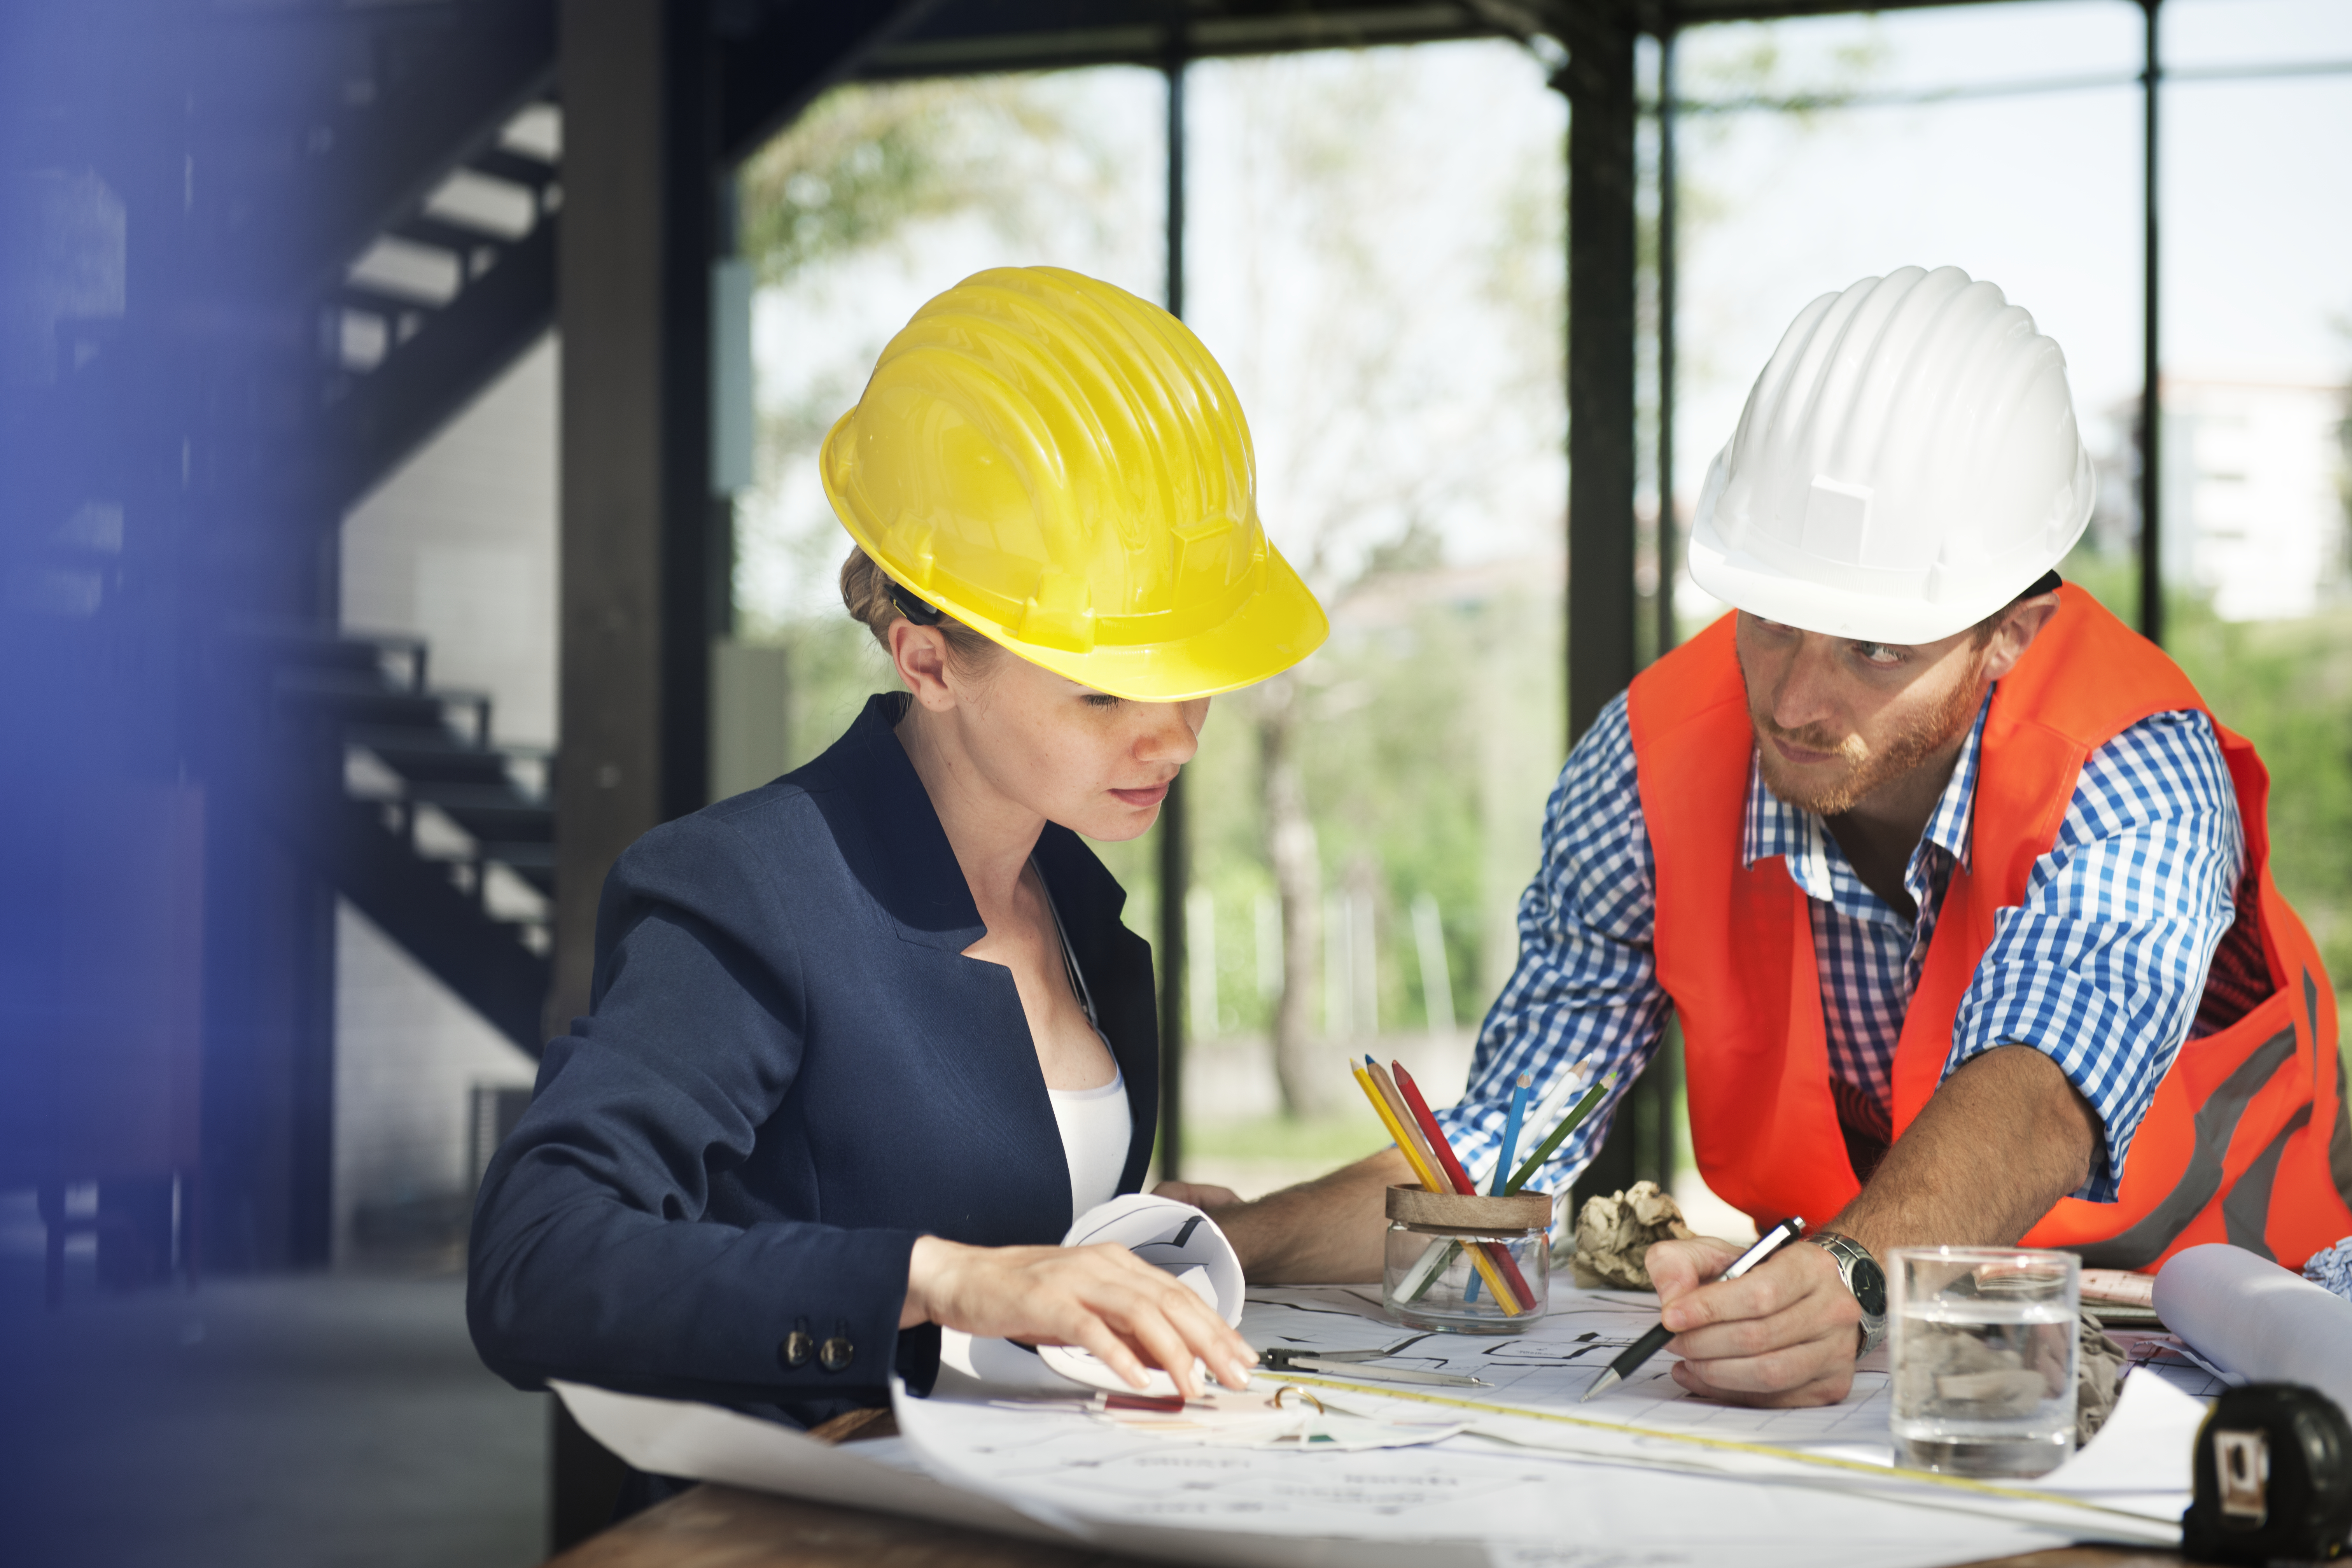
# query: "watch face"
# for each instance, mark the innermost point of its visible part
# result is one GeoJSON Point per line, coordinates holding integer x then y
{"type": "Point", "coordinates": [1869, 1283]}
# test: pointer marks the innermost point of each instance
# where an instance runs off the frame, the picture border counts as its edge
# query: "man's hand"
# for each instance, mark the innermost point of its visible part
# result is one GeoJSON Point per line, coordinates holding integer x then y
{"type": "Point", "coordinates": [1200, 1195]}
{"type": "Point", "coordinates": [1103, 1299]}
{"type": "Point", "coordinates": [1784, 1333]}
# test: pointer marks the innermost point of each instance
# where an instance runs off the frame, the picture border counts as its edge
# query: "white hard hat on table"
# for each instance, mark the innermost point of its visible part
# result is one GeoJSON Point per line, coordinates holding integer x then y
{"type": "Point", "coordinates": [1907, 464]}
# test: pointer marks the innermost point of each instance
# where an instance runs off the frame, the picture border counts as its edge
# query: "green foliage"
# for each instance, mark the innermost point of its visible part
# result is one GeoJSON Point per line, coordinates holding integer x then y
{"type": "Point", "coordinates": [865, 164]}
{"type": "Point", "coordinates": [1346, 1134]}
{"type": "Point", "coordinates": [2286, 686]}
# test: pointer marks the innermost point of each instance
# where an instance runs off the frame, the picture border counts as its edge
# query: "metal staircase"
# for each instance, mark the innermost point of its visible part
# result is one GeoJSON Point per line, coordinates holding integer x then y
{"type": "Point", "coordinates": [443, 839]}
{"type": "Point", "coordinates": [428, 193]}
{"type": "Point", "coordinates": [430, 291]}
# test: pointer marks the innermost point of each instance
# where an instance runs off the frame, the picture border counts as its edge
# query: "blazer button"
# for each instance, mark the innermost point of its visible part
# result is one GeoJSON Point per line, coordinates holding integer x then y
{"type": "Point", "coordinates": [794, 1352]}
{"type": "Point", "coordinates": [835, 1353]}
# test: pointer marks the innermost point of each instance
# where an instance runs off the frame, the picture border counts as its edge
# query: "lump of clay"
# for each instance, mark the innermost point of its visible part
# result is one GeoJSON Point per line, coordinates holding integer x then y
{"type": "Point", "coordinates": [1613, 1233]}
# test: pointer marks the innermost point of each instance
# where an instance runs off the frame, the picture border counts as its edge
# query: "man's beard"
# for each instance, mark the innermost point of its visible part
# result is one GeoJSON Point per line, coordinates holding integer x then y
{"type": "Point", "coordinates": [1922, 738]}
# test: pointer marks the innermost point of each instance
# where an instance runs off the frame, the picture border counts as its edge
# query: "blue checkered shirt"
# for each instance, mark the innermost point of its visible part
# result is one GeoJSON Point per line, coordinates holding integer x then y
{"type": "Point", "coordinates": [2102, 967]}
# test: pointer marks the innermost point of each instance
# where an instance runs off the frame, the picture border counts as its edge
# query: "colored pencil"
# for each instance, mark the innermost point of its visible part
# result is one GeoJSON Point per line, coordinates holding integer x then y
{"type": "Point", "coordinates": [1437, 1135]}
{"type": "Point", "coordinates": [1403, 1114]}
{"type": "Point", "coordinates": [1511, 1132]}
{"type": "Point", "coordinates": [1419, 1106]}
{"type": "Point", "coordinates": [1429, 1178]}
{"type": "Point", "coordinates": [1567, 1124]}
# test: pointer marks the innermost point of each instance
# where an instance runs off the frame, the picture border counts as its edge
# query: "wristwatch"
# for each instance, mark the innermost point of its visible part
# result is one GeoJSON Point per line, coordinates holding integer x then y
{"type": "Point", "coordinates": [1865, 1278]}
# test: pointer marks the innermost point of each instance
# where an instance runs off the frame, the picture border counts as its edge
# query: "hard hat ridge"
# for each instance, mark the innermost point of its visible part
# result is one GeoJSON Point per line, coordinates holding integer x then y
{"type": "Point", "coordinates": [1907, 463]}
{"type": "Point", "coordinates": [1065, 468]}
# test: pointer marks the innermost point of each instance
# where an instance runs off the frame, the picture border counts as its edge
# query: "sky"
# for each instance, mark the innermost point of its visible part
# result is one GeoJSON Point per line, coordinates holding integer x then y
{"type": "Point", "coordinates": [1372, 248]}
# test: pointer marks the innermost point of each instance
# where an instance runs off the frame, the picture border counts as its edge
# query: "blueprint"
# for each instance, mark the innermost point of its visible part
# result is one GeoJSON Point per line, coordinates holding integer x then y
{"type": "Point", "coordinates": [1644, 1465]}
{"type": "Point", "coordinates": [1511, 1472]}
{"type": "Point", "coordinates": [1550, 1366]}
{"type": "Point", "coordinates": [1495, 1502]}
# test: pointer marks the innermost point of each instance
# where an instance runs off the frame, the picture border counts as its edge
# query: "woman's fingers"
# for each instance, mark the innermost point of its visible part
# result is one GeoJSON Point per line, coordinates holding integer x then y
{"type": "Point", "coordinates": [1174, 1326]}
{"type": "Point", "coordinates": [1090, 1332]}
{"type": "Point", "coordinates": [1102, 1298]}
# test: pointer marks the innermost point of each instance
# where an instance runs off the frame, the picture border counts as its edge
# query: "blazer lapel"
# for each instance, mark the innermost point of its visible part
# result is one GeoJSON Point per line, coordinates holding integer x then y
{"type": "Point", "coordinates": [1117, 964]}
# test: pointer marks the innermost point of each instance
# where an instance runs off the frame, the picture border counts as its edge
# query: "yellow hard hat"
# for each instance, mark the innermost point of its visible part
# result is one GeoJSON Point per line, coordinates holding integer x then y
{"type": "Point", "coordinates": [1062, 468]}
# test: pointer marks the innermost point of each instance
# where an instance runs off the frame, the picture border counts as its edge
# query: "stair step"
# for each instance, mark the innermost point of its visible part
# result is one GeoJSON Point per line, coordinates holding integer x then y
{"type": "Point", "coordinates": [442, 235]}
{"type": "Point", "coordinates": [534, 863]}
{"type": "Point", "coordinates": [428, 767]}
{"type": "Point", "coordinates": [357, 698]}
{"type": "Point", "coordinates": [474, 795]}
{"type": "Point", "coordinates": [501, 164]}
{"type": "Point", "coordinates": [517, 823]}
{"type": "Point", "coordinates": [314, 651]}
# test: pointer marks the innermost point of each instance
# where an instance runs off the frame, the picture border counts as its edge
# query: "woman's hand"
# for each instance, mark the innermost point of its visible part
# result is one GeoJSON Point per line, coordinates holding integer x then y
{"type": "Point", "coordinates": [1102, 1298]}
{"type": "Point", "coordinates": [1200, 1195]}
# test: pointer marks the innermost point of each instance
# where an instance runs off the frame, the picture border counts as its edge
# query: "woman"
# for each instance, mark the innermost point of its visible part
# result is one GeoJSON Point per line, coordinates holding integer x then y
{"type": "Point", "coordinates": [862, 1041]}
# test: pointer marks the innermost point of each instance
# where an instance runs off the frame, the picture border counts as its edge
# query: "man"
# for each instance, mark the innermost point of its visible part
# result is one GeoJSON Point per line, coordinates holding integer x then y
{"type": "Point", "coordinates": [1960, 894]}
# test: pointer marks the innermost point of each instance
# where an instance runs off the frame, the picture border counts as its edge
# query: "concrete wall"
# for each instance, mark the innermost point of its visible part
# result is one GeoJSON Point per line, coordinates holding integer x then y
{"type": "Point", "coordinates": [408, 1055]}
{"type": "Point", "coordinates": [458, 547]}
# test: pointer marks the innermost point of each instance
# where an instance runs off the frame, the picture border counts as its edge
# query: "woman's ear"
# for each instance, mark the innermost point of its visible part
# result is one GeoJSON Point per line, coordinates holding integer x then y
{"type": "Point", "coordinates": [920, 654]}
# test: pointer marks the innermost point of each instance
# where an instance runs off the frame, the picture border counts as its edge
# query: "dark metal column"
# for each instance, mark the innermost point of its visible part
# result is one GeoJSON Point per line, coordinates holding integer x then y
{"type": "Point", "coordinates": [1175, 857]}
{"type": "Point", "coordinates": [2152, 399]}
{"type": "Point", "coordinates": [1599, 82]}
{"type": "Point", "coordinates": [1667, 202]}
{"type": "Point", "coordinates": [1602, 605]}
{"type": "Point", "coordinates": [696, 531]}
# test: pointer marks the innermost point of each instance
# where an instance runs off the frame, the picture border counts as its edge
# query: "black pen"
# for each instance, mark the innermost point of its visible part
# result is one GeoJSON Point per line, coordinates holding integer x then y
{"type": "Point", "coordinates": [1631, 1358]}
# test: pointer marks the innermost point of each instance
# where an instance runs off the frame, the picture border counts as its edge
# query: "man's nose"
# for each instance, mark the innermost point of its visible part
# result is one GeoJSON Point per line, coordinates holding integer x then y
{"type": "Point", "coordinates": [1801, 695]}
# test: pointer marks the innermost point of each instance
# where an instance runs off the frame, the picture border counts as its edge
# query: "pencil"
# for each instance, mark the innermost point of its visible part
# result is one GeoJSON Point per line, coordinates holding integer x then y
{"type": "Point", "coordinates": [1435, 1134]}
{"type": "Point", "coordinates": [1427, 1175]}
{"type": "Point", "coordinates": [1403, 1114]}
{"type": "Point", "coordinates": [1567, 1124]}
{"type": "Point", "coordinates": [1511, 1132]}
{"type": "Point", "coordinates": [1410, 1093]}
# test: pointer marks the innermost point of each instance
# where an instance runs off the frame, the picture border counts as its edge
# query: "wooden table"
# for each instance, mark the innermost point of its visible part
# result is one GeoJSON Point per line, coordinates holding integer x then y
{"type": "Point", "coordinates": [722, 1527]}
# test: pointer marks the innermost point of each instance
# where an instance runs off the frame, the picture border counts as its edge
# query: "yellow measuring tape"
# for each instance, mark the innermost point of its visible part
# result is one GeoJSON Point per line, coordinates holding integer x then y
{"type": "Point", "coordinates": [1825, 1461]}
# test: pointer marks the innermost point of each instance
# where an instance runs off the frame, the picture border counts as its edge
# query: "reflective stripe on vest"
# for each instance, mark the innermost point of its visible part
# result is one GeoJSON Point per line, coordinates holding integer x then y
{"type": "Point", "coordinates": [2248, 1138]}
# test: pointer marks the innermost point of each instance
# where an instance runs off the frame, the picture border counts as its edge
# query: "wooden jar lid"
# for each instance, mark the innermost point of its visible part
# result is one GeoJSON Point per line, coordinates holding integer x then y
{"type": "Point", "coordinates": [1452, 1211]}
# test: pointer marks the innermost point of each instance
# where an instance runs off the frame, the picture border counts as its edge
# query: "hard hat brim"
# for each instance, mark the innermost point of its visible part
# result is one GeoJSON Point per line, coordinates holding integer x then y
{"type": "Point", "coordinates": [1746, 583]}
{"type": "Point", "coordinates": [1275, 628]}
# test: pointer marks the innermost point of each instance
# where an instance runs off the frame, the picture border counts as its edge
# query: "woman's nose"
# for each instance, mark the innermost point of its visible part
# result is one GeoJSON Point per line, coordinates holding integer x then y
{"type": "Point", "coordinates": [1172, 733]}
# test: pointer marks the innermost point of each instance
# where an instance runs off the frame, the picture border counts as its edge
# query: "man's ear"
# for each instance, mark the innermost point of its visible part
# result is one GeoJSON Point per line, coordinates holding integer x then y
{"type": "Point", "coordinates": [920, 655]}
{"type": "Point", "coordinates": [2016, 633]}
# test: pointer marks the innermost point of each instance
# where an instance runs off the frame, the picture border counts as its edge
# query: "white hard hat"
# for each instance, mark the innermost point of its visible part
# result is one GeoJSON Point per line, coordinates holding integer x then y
{"type": "Point", "coordinates": [1906, 465]}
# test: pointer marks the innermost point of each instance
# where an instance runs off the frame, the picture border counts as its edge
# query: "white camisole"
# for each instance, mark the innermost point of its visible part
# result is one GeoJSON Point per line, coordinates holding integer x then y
{"type": "Point", "coordinates": [1096, 1124]}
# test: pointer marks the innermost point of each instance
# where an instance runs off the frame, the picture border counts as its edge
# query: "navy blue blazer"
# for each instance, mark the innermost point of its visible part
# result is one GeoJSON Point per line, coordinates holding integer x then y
{"type": "Point", "coordinates": [788, 1073]}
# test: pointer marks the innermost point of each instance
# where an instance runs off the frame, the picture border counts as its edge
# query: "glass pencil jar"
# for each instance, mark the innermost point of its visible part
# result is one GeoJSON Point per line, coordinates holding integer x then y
{"type": "Point", "coordinates": [1467, 1265]}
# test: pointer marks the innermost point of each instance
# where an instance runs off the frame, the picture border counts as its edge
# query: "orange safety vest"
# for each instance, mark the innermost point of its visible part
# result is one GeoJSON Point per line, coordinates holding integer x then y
{"type": "Point", "coordinates": [2248, 1138]}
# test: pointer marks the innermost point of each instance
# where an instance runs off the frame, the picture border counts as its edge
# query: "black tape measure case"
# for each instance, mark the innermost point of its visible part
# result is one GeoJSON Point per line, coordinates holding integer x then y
{"type": "Point", "coordinates": [2274, 1478]}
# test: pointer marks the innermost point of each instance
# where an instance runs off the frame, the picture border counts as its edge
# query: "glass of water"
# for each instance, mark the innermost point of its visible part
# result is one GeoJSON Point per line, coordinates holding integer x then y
{"type": "Point", "coordinates": [1983, 1359]}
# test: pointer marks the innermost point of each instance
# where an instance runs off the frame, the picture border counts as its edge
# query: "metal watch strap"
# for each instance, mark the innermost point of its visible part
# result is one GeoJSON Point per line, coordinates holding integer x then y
{"type": "Point", "coordinates": [1848, 1253]}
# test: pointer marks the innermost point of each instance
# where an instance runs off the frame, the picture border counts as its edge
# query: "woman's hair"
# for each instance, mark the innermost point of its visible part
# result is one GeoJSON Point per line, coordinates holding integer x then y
{"type": "Point", "coordinates": [865, 592]}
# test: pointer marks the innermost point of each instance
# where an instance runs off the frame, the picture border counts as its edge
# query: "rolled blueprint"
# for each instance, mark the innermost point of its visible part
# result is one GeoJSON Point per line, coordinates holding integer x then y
{"type": "Point", "coordinates": [1169, 1236]}
{"type": "Point", "coordinates": [2250, 1317]}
